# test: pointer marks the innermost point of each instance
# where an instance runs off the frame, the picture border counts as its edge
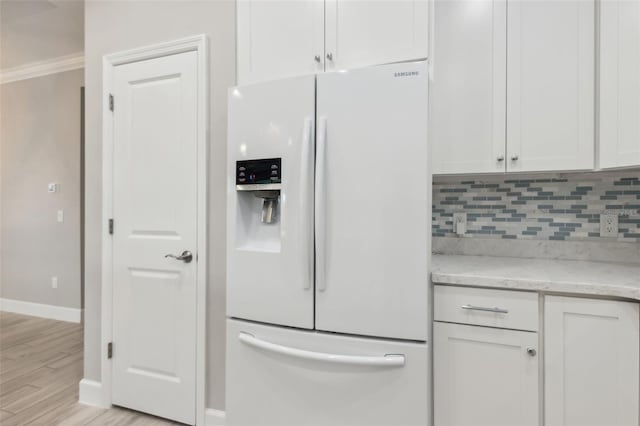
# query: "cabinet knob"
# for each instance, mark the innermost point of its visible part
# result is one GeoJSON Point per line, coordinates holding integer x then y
{"type": "Point", "coordinates": [514, 157]}
{"type": "Point", "coordinates": [317, 58]}
{"type": "Point", "coordinates": [531, 351]}
{"type": "Point", "coordinates": [330, 56]}
{"type": "Point", "coordinates": [500, 158]}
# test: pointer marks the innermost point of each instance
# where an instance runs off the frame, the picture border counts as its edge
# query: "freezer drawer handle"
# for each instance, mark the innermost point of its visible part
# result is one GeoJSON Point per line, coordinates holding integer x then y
{"type": "Point", "coordinates": [389, 360]}
{"type": "Point", "coordinates": [483, 309]}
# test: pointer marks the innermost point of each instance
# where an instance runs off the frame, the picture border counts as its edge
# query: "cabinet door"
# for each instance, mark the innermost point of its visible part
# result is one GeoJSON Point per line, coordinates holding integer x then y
{"type": "Point", "coordinates": [619, 83]}
{"type": "Point", "coordinates": [591, 362]}
{"type": "Point", "coordinates": [550, 85]}
{"type": "Point", "coordinates": [469, 86]}
{"type": "Point", "coordinates": [371, 32]}
{"type": "Point", "coordinates": [485, 376]}
{"type": "Point", "coordinates": [279, 38]}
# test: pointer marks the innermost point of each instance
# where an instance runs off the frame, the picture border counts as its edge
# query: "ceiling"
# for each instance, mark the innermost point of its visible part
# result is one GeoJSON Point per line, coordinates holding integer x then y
{"type": "Point", "coordinates": [37, 30]}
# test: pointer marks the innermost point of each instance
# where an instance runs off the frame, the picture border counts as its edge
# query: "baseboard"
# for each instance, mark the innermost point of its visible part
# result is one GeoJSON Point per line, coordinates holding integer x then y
{"type": "Point", "coordinates": [59, 313]}
{"type": "Point", "coordinates": [214, 417]}
{"type": "Point", "coordinates": [90, 393]}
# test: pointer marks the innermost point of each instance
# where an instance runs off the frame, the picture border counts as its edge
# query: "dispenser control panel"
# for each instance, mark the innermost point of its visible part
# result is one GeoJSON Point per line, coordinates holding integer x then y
{"type": "Point", "coordinates": [259, 172]}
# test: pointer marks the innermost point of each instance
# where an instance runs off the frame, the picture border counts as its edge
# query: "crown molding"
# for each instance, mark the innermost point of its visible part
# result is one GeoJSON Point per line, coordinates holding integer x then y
{"type": "Point", "coordinates": [38, 69]}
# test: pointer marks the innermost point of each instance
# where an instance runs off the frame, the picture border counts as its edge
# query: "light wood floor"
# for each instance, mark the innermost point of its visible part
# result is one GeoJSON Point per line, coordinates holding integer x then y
{"type": "Point", "coordinates": [40, 367]}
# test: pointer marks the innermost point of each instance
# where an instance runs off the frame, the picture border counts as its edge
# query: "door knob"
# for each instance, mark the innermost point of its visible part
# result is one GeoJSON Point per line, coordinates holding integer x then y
{"type": "Point", "coordinates": [515, 157]}
{"type": "Point", "coordinates": [317, 58]}
{"type": "Point", "coordinates": [531, 351]}
{"type": "Point", "coordinates": [330, 56]}
{"type": "Point", "coordinates": [186, 256]}
{"type": "Point", "coordinates": [500, 158]}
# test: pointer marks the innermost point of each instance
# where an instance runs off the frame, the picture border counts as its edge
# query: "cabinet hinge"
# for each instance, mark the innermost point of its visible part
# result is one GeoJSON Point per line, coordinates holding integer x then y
{"type": "Point", "coordinates": [109, 350]}
{"type": "Point", "coordinates": [111, 226]}
{"type": "Point", "coordinates": [111, 102]}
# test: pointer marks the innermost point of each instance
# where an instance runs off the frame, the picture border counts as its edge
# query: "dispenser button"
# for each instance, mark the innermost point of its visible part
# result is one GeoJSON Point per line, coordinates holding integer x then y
{"type": "Point", "coordinates": [275, 178]}
{"type": "Point", "coordinates": [274, 167]}
{"type": "Point", "coordinates": [241, 174]}
{"type": "Point", "coordinates": [274, 173]}
{"type": "Point", "coordinates": [241, 180]}
{"type": "Point", "coordinates": [242, 169]}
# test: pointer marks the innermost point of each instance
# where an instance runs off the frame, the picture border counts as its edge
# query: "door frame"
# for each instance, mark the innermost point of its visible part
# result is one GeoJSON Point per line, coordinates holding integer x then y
{"type": "Point", "coordinates": [198, 44]}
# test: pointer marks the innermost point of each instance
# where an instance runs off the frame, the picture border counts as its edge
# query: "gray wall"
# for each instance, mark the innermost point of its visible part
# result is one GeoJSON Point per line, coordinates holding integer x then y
{"type": "Point", "coordinates": [112, 26]}
{"type": "Point", "coordinates": [40, 143]}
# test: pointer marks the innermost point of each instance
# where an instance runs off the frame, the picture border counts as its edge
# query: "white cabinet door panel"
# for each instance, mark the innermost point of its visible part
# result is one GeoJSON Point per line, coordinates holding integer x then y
{"type": "Point", "coordinates": [550, 85]}
{"type": "Point", "coordinates": [485, 376]}
{"type": "Point", "coordinates": [619, 83]}
{"type": "Point", "coordinates": [468, 97]}
{"type": "Point", "coordinates": [370, 32]}
{"type": "Point", "coordinates": [591, 362]}
{"type": "Point", "coordinates": [279, 38]}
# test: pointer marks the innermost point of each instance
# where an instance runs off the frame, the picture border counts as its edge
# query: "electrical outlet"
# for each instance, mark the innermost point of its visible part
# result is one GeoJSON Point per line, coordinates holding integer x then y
{"type": "Point", "coordinates": [54, 282]}
{"type": "Point", "coordinates": [608, 225]}
{"type": "Point", "coordinates": [460, 223]}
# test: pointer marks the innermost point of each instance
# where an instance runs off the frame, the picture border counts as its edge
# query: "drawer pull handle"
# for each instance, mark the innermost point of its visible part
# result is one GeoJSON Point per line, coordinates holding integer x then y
{"type": "Point", "coordinates": [483, 309]}
{"type": "Point", "coordinates": [388, 360]}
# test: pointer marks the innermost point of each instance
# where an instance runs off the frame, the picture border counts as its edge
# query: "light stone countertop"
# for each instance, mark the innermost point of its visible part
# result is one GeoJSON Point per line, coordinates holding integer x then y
{"type": "Point", "coordinates": [547, 275]}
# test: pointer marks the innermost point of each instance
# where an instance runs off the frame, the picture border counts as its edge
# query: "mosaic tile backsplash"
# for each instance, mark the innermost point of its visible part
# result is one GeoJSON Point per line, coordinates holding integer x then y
{"type": "Point", "coordinates": [554, 207]}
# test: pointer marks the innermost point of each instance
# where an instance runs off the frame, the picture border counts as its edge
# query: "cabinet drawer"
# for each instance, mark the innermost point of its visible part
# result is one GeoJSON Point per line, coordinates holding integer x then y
{"type": "Point", "coordinates": [493, 308]}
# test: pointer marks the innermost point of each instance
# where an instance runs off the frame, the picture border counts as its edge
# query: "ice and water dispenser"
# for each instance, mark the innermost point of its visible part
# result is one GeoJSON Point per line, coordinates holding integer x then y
{"type": "Point", "coordinates": [258, 187]}
{"type": "Point", "coordinates": [262, 179]}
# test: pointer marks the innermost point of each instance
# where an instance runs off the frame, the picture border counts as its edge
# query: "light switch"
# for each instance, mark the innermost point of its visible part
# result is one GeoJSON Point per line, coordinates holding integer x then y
{"type": "Point", "coordinates": [54, 282]}
{"type": "Point", "coordinates": [52, 187]}
{"type": "Point", "coordinates": [60, 216]}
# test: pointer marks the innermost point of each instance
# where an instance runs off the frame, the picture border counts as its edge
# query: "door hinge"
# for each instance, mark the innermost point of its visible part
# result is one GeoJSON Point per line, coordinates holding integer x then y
{"type": "Point", "coordinates": [109, 350]}
{"type": "Point", "coordinates": [111, 226]}
{"type": "Point", "coordinates": [111, 102]}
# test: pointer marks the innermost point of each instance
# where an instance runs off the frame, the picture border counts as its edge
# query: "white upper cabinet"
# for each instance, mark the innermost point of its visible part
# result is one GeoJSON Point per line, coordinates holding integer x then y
{"type": "Point", "coordinates": [591, 363]}
{"type": "Point", "coordinates": [279, 38]}
{"type": "Point", "coordinates": [619, 83]}
{"type": "Point", "coordinates": [283, 38]}
{"type": "Point", "coordinates": [369, 32]}
{"type": "Point", "coordinates": [469, 86]}
{"type": "Point", "coordinates": [550, 85]}
{"type": "Point", "coordinates": [513, 86]}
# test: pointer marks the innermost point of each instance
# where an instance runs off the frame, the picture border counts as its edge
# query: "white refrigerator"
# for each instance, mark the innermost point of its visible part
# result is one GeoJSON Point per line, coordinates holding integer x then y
{"type": "Point", "coordinates": [329, 224]}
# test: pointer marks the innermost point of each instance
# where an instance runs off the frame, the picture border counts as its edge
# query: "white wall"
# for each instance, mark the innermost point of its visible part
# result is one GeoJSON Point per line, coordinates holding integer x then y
{"type": "Point", "coordinates": [112, 26]}
{"type": "Point", "coordinates": [40, 143]}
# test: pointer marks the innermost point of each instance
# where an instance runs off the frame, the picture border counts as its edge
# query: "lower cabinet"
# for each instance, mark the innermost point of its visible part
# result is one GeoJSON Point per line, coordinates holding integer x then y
{"type": "Point", "coordinates": [485, 376]}
{"type": "Point", "coordinates": [592, 364]}
{"type": "Point", "coordinates": [489, 370]}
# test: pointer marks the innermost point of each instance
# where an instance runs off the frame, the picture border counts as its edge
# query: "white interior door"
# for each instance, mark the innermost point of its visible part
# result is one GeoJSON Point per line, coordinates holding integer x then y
{"type": "Point", "coordinates": [373, 202]}
{"type": "Point", "coordinates": [155, 212]}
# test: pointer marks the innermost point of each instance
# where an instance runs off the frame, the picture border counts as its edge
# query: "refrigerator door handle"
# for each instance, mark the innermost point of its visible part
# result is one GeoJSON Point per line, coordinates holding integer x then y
{"type": "Point", "coordinates": [320, 201]}
{"type": "Point", "coordinates": [306, 235]}
{"type": "Point", "coordinates": [388, 360]}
